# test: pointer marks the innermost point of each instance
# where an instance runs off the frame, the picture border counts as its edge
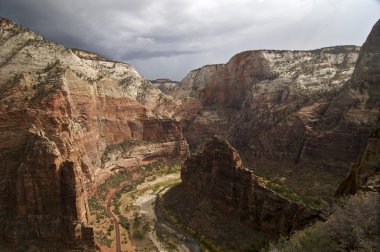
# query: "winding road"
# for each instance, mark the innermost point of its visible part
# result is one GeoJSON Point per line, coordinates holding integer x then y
{"type": "Point", "coordinates": [112, 216]}
{"type": "Point", "coordinates": [188, 243]}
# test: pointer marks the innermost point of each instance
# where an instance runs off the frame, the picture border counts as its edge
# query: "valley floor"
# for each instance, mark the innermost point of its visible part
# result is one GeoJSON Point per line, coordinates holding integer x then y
{"type": "Point", "coordinates": [127, 205]}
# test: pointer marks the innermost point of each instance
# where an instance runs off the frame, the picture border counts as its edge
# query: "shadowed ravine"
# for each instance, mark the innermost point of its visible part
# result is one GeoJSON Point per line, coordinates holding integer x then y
{"type": "Point", "coordinates": [89, 149]}
{"type": "Point", "coordinates": [188, 240]}
{"type": "Point", "coordinates": [143, 202]}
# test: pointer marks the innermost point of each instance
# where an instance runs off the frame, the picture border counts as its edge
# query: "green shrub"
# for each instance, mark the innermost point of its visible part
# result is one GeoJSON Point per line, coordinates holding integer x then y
{"type": "Point", "coordinates": [351, 227]}
{"type": "Point", "coordinates": [124, 222]}
{"type": "Point", "coordinates": [138, 234]}
{"type": "Point", "coordinates": [290, 194]}
{"type": "Point", "coordinates": [355, 222]}
{"type": "Point", "coordinates": [105, 241]}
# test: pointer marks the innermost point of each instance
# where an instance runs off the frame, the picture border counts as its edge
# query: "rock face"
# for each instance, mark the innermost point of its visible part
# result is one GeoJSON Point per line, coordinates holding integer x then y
{"type": "Point", "coordinates": [64, 113]}
{"type": "Point", "coordinates": [165, 85]}
{"type": "Point", "coordinates": [365, 174]}
{"type": "Point", "coordinates": [342, 133]}
{"type": "Point", "coordinates": [308, 108]}
{"type": "Point", "coordinates": [218, 174]}
{"type": "Point", "coordinates": [261, 99]}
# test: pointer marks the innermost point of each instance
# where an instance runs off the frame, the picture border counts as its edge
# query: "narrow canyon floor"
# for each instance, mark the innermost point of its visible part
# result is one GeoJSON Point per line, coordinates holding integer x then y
{"type": "Point", "coordinates": [133, 199]}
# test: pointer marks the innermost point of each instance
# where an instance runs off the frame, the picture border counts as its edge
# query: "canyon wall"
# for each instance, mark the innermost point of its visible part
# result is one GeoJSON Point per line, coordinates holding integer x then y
{"type": "Point", "coordinates": [351, 117]}
{"type": "Point", "coordinates": [63, 115]}
{"type": "Point", "coordinates": [165, 85]}
{"type": "Point", "coordinates": [261, 99]}
{"type": "Point", "coordinates": [218, 174]}
{"type": "Point", "coordinates": [308, 108]}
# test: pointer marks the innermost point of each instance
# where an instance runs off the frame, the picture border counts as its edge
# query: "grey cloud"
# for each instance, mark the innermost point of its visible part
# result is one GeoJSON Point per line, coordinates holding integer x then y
{"type": "Point", "coordinates": [155, 54]}
{"type": "Point", "coordinates": [168, 38]}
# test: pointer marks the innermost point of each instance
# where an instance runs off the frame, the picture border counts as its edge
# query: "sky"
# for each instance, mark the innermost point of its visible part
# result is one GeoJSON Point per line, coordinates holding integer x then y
{"type": "Point", "coordinates": [169, 38]}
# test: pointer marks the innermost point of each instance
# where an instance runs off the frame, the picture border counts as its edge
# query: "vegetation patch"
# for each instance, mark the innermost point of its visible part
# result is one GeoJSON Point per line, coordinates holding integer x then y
{"type": "Point", "coordinates": [134, 227]}
{"type": "Point", "coordinates": [353, 226]}
{"type": "Point", "coordinates": [290, 194]}
{"type": "Point", "coordinates": [112, 183]}
{"type": "Point", "coordinates": [120, 149]}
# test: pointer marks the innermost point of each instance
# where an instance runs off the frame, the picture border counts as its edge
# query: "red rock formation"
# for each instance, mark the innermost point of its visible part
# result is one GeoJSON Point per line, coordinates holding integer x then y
{"type": "Point", "coordinates": [261, 99]}
{"type": "Point", "coordinates": [218, 174]}
{"type": "Point", "coordinates": [165, 85]}
{"type": "Point", "coordinates": [299, 107]}
{"type": "Point", "coordinates": [60, 110]}
{"type": "Point", "coordinates": [365, 174]}
{"type": "Point", "coordinates": [342, 133]}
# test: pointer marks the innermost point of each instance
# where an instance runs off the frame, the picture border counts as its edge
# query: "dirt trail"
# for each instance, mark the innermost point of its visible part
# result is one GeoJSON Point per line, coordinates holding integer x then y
{"type": "Point", "coordinates": [148, 204]}
{"type": "Point", "coordinates": [112, 216]}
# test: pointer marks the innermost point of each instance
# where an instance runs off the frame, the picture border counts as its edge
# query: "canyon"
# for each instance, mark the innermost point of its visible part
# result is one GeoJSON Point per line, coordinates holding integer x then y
{"type": "Point", "coordinates": [332, 128]}
{"type": "Point", "coordinates": [165, 85]}
{"type": "Point", "coordinates": [305, 113]}
{"type": "Point", "coordinates": [71, 119]}
{"type": "Point", "coordinates": [67, 118]}
{"type": "Point", "coordinates": [217, 176]}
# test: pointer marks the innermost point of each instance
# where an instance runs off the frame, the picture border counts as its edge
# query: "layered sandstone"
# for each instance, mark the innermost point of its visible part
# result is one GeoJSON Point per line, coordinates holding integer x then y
{"type": "Point", "coordinates": [165, 85]}
{"type": "Point", "coordinates": [305, 108]}
{"type": "Point", "coordinates": [60, 111]}
{"type": "Point", "coordinates": [365, 174]}
{"type": "Point", "coordinates": [343, 131]}
{"type": "Point", "coordinates": [261, 99]}
{"type": "Point", "coordinates": [218, 174]}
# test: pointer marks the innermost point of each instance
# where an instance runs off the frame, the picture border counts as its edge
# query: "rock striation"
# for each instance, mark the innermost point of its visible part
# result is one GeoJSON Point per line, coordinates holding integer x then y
{"type": "Point", "coordinates": [352, 116]}
{"type": "Point", "coordinates": [261, 99]}
{"type": "Point", "coordinates": [365, 173]}
{"type": "Point", "coordinates": [64, 113]}
{"type": "Point", "coordinates": [218, 174]}
{"type": "Point", "coordinates": [314, 109]}
{"type": "Point", "coordinates": [165, 85]}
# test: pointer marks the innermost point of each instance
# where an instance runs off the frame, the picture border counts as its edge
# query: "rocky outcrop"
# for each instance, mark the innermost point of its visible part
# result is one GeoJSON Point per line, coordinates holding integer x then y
{"type": "Point", "coordinates": [261, 99]}
{"type": "Point", "coordinates": [218, 174]}
{"type": "Point", "coordinates": [305, 108]}
{"type": "Point", "coordinates": [61, 111]}
{"type": "Point", "coordinates": [365, 174]}
{"type": "Point", "coordinates": [342, 133]}
{"type": "Point", "coordinates": [165, 85]}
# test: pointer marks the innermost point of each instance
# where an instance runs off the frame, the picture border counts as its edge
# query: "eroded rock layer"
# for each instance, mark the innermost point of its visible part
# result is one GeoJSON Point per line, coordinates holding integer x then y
{"type": "Point", "coordinates": [351, 117]}
{"type": "Point", "coordinates": [218, 174]}
{"type": "Point", "coordinates": [307, 108]}
{"type": "Point", "coordinates": [63, 112]}
{"type": "Point", "coordinates": [165, 85]}
{"type": "Point", "coordinates": [260, 100]}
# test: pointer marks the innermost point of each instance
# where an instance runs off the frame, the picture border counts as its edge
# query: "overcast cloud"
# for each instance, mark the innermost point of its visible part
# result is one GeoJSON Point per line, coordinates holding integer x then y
{"type": "Point", "coordinates": [168, 38]}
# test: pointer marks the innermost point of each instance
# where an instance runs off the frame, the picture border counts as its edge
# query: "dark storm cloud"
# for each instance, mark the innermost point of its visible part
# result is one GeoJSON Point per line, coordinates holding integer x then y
{"type": "Point", "coordinates": [155, 54]}
{"type": "Point", "coordinates": [167, 38]}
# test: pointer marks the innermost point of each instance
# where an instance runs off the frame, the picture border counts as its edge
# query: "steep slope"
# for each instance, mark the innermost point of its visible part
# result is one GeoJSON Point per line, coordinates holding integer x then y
{"type": "Point", "coordinates": [217, 174]}
{"type": "Point", "coordinates": [257, 95]}
{"type": "Point", "coordinates": [352, 116]}
{"type": "Point", "coordinates": [165, 85]}
{"type": "Point", "coordinates": [68, 119]}
{"type": "Point", "coordinates": [301, 116]}
{"type": "Point", "coordinates": [365, 174]}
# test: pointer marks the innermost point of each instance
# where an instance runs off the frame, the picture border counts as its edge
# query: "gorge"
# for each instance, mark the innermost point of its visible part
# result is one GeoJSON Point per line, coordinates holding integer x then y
{"type": "Point", "coordinates": [296, 123]}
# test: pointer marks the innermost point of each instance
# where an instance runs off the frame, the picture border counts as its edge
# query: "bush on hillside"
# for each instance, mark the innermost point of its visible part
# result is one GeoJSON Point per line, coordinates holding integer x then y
{"type": "Point", "coordinates": [353, 226]}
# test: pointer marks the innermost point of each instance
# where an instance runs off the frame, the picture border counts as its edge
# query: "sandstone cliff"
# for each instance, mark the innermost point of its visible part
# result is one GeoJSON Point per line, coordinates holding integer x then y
{"type": "Point", "coordinates": [228, 206]}
{"type": "Point", "coordinates": [351, 117]}
{"type": "Point", "coordinates": [65, 116]}
{"type": "Point", "coordinates": [218, 174]}
{"type": "Point", "coordinates": [165, 85]}
{"type": "Point", "coordinates": [306, 113]}
{"type": "Point", "coordinates": [261, 99]}
{"type": "Point", "coordinates": [365, 174]}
